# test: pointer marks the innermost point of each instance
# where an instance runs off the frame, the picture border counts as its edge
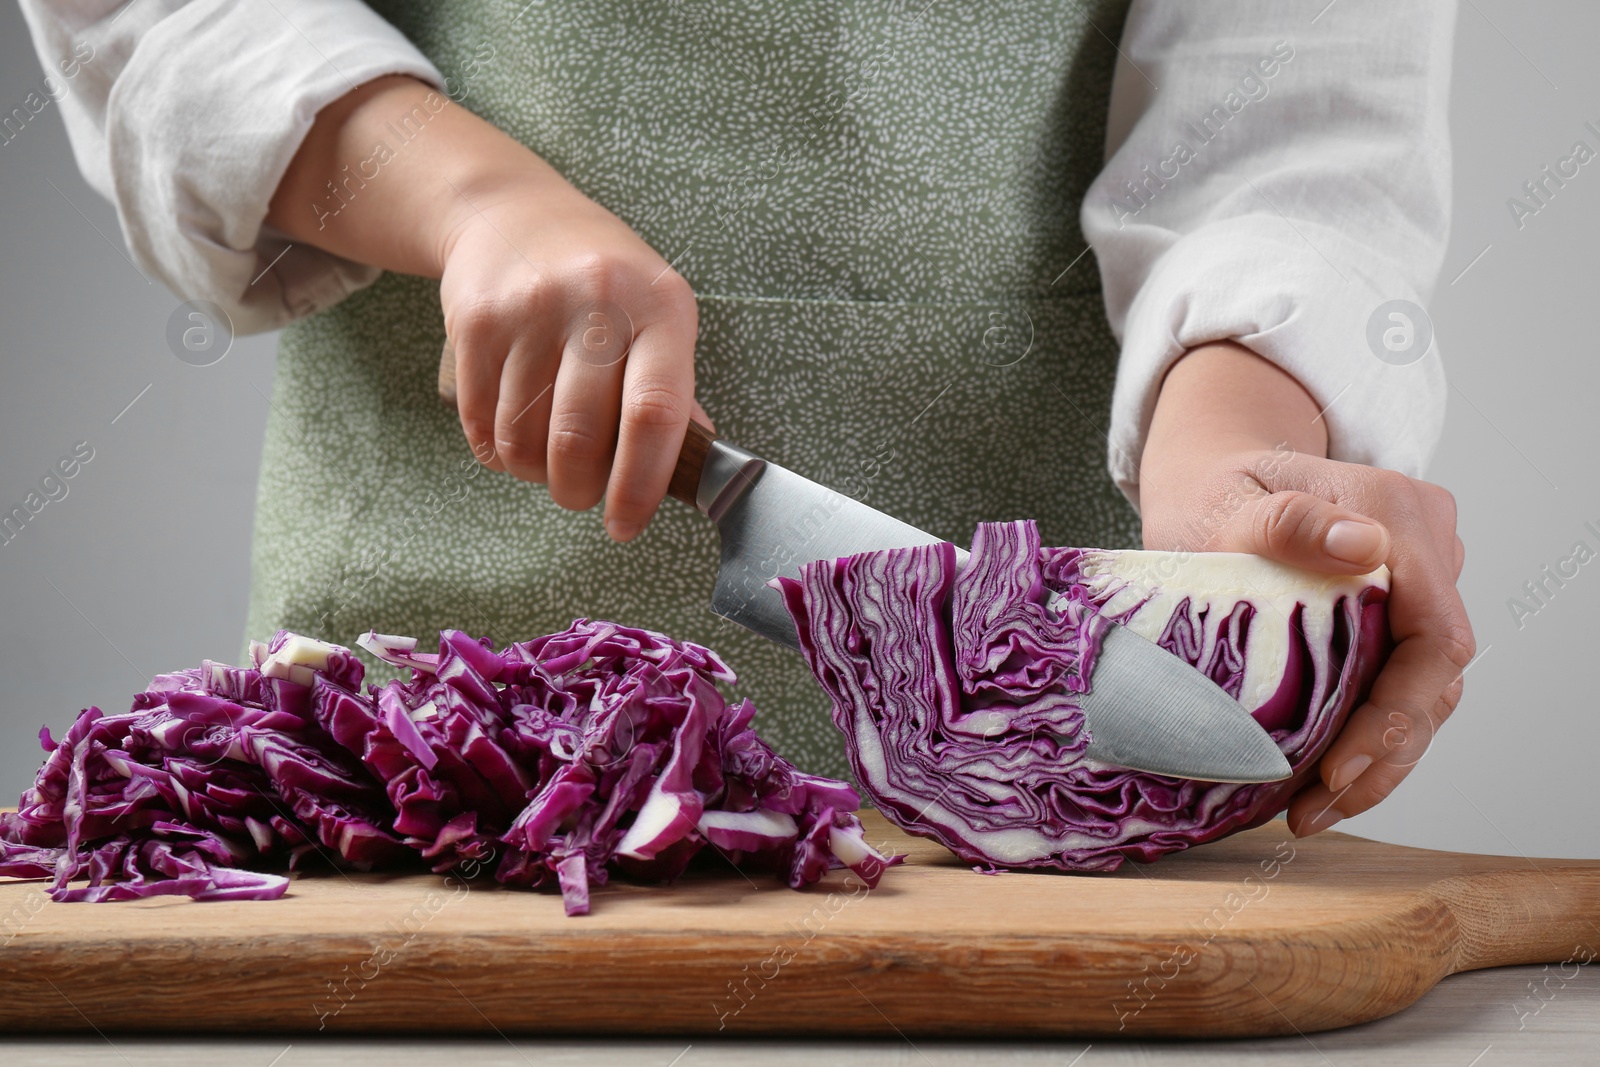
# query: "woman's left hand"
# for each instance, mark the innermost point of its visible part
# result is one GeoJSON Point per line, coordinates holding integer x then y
{"type": "Point", "coordinates": [1234, 462]}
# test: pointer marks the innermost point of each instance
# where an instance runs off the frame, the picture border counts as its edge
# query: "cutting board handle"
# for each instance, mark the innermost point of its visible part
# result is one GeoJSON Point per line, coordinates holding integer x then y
{"type": "Point", "coordinates": [685, 484]}
{"type": "Point", "coordinates": [1542, 913]}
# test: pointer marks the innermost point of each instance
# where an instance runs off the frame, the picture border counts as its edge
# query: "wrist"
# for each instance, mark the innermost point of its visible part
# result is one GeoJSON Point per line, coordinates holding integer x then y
{"type": "Point", "coordinates": [396, 150]}
{"type": "Point", "coordinates": [1222, 397]}
{"type": "Point", "coordinates": [486, 186]}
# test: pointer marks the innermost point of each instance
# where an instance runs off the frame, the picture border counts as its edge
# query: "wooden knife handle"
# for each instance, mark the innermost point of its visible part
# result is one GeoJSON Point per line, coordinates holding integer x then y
{"type": "Point", "coordinates": [697, 439]}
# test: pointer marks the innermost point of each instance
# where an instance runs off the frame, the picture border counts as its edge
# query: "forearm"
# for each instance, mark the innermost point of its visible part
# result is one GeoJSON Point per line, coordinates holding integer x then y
{"type": "Point", "coordinates": [359, 189]}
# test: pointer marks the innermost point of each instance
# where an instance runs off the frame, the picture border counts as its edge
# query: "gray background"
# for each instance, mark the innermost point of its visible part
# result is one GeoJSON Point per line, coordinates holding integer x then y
{"type": "Point", "coordinates": [144, 566]}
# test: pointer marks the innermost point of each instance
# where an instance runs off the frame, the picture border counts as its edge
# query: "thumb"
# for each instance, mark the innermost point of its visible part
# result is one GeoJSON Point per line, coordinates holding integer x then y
{"type": "Point", "coordinates": [1306, 531]}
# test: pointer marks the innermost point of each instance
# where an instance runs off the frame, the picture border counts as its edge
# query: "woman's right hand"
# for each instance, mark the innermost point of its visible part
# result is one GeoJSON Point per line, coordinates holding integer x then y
{"type": "Point", "coordinates": [574, 345]}
{"type": "Point", "coordinates": [574, 339]}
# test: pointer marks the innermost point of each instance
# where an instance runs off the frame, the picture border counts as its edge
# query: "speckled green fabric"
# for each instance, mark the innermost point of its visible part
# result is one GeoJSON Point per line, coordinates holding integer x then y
{"type": "Point", "coordinates": [875, 204]}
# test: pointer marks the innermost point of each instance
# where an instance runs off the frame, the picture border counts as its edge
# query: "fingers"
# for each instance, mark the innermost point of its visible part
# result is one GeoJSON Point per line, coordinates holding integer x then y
{"type": "Point", "coordinates": [574, 398]}
{"type": "Point", "coordinates": [587, 404]}
{"type": "Point", "coordinates": [481, 349]}
{"type": "Point", "coordinates": [1421, 684]}
{"type": "Point", "coordinates": [658, 398]}
{"type": "Point", "coordinates": [522, 412]}
{"type": "Point", "coordinates": [1303, 530]}
{"type": "Point", "coordinates": [1312, 810]}
{"type": "Point", "coordinates": [1383, 739]}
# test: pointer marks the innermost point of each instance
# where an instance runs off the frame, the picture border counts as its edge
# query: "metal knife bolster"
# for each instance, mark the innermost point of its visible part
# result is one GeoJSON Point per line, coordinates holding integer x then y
{"type": "Point", "coordinates": [727, 472]}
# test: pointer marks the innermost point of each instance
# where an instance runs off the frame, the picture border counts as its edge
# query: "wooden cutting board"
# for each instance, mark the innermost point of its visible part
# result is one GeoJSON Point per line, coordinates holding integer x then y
{"type": "Point", "coordinates": [1257, 934]}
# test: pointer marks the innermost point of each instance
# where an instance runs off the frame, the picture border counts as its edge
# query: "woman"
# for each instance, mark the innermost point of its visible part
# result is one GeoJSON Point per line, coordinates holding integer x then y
{"type": "Point", "coordinates": [858, 233]}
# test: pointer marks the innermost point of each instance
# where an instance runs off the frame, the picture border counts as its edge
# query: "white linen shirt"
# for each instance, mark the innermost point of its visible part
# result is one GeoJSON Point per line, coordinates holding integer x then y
{"type": "Point", "coordinates": [1275, 173]}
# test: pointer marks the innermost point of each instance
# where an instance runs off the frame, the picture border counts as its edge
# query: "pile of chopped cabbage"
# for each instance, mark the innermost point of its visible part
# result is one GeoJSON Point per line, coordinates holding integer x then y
{"type": "Point", "coordinates": [550, 763]}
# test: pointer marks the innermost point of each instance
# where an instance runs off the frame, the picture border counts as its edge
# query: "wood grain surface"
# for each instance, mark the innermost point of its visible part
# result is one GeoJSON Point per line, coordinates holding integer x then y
{"type": "Point", "coordinates": [1258, 934]}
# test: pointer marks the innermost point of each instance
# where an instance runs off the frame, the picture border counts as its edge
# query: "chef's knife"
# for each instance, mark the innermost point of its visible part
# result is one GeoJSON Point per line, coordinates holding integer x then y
{"type": "Point", "coordinates": [1146, 709]}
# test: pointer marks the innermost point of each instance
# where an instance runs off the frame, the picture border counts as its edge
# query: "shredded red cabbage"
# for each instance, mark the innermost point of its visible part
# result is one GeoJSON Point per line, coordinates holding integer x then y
{"type": "Point", "coordinates": [554, 762]}
{"type": "Point", "coordinates": [957, 693]}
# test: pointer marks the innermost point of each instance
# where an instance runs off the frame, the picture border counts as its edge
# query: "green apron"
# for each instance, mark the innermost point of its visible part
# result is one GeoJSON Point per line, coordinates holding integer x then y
{"type": "Point", "coordinates": [876, 204]}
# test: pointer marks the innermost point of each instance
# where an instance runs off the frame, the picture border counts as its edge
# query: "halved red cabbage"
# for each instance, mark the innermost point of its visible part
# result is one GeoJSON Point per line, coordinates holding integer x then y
{"type": "Point", "coordinates": [957, 693]}
{"type": "Point", "coordinates": [550, 762]}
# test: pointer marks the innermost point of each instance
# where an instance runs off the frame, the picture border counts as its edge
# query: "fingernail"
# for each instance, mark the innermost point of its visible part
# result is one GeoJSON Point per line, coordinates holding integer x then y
{"type": "Point", "coordinates": [1348, 771]}
{"type": "Point", "coordinates": [1319, 822]}
{"type": "Point", "coordinates": [621, 531]}
{"type": "Point", "coordinates": [1353, 542]}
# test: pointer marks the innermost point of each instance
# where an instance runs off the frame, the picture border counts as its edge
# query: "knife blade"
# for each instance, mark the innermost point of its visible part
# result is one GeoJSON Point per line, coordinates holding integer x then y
{"type": "Point", "coordinates": [1146, 709]}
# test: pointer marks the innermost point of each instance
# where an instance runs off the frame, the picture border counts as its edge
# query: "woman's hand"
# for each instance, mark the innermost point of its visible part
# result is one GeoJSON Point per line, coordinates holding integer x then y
{"type": "Point", "coordinates": [1234, 462]}
{"type": "Point", "coordinates": [574, 339]}
{"type": "Point", "coordinates": [574, 346]}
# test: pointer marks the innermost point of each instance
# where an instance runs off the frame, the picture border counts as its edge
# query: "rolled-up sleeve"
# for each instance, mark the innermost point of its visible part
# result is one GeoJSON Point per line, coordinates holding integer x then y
{"type": "Point", "coordinates": [1276, 179]}
{"type": "Point", "coordinates": [187, 115]}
